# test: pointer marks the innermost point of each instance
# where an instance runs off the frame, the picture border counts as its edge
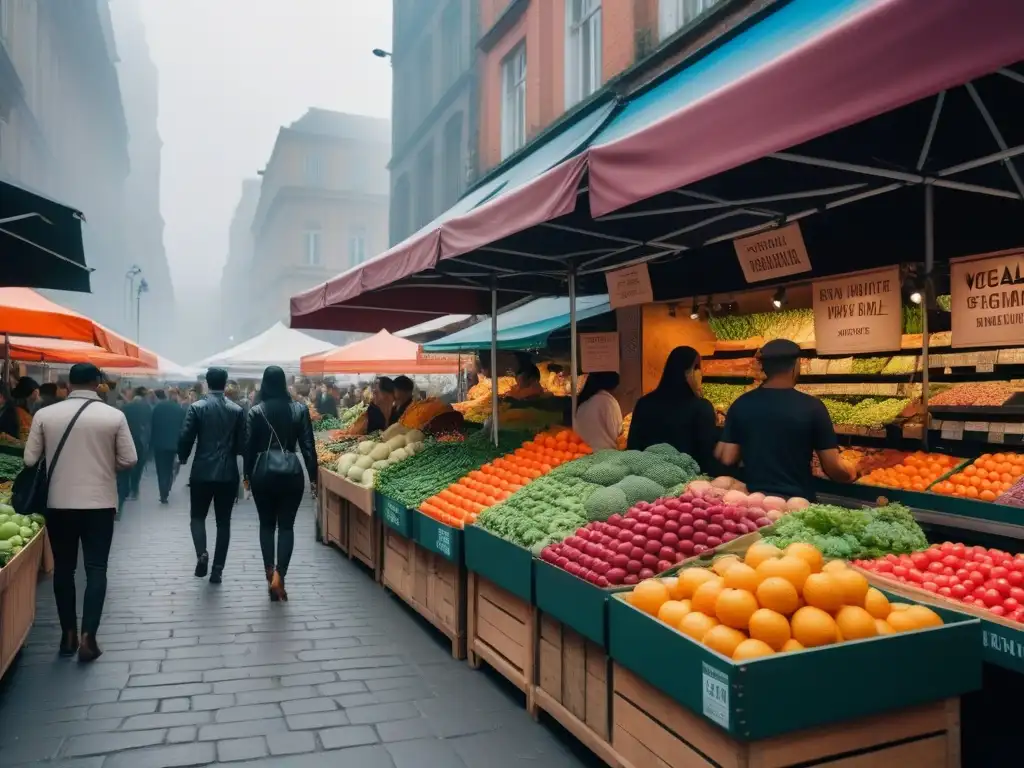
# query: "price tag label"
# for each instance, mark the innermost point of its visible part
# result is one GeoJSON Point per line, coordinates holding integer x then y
{"type": "Point", "coordinates": [1015, 429]}
{"type": "Point", "coordinates": [715, 695]}
{"type": "Point", "coordinates": [984, 368]}
{"type": "Point", "coordinates": [393, 513]}
{"type": "Point", "coordinates": [996, 437]}
{"type": "Point", "coordinates": [936, 424]}
{"type": "Point", "coordinates": [953, 430]}
{"type": "Point", "coordinates": [976, 426]}
{"type": "Point", "coordinates": [444, 541]}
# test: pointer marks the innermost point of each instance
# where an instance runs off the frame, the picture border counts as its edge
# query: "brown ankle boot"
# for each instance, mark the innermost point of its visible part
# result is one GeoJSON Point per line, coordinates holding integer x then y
{"type": "Point", "coordinates": [69, 643]}
{"type": "Point", "coordinates": [277, 591]}
{"type": "Point", "coordinates": [89, 650]}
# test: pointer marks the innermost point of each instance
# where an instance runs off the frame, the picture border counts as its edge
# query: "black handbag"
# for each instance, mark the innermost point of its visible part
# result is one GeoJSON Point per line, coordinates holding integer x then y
{"type": "Point", "coordinates": [31, 489]}
{"type": "Point", "coordinates": [276, 465]}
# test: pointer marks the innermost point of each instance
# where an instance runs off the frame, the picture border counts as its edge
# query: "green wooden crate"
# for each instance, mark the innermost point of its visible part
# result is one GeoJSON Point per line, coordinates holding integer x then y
{"type": "Point", "coordinates": [397, 516]}
{"type": "Point", "coordinates": [576, 603]}
{"type": "Point", "coordinates": [949, 505]}
{"type": "Point", "coordinates": [507, 565]}
{"type": "Point", "coordinates": [788, 692]}
{"type": "Point", "coordinates": [440, 538]}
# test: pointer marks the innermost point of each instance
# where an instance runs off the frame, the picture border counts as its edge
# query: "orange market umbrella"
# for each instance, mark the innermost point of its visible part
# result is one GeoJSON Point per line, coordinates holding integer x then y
{"type": "Point", "coordinates": [381, 353]}
{"type": "Point", "coordinates": [35, 350]}
{"type": "Point", "coordinates": [23, 312]}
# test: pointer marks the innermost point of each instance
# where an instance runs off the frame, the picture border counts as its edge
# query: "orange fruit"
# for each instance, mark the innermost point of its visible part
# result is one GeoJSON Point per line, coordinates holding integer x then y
{"type": "Point", "coordinates": [793, 569]}
{"type": "Point", "coordinates": [751, 649]}
{"type": "Point", "coordinates": [759, 552]}
{"type": "Point", "coordinates": [876, 603]}
{"type": "Point", "coordinates": [924, 617]}
{"type": "Point", "coordinates": [812, 627]}
{"type": "Point", "coordinates": [791, 645]}
{"type": "Point", "coordinates": [778, 594]}
{"type": "Point", "coordinates": [898, 606]}
{"type": "Point", "coordinates": [696, 625]}
{"type": "Point", "coordinates": [706, 596]}
{"type": "Point", "coordinates": [770, 627]}
{"type": "Point", "coordinates": [723, 639]}
{"type": "Point", "coordinates": [882, 627]}
{"type": "Point", "coordinates": [806, 552]}
{"type": "Point", "coordinates": [742, 576]}
{"type": "Point", "coordinates": [672, 583]}
{"type": "Point", "coordinates": [833, 565]}
{"type": "Point", "coordinates": [734, 607]}
{"type": "Point", "coordinates": [649, 595]}
{"type": "Point", "coordinates": [673, 611]}
{"type": "Point", "coordinates": [855, 623]}
{"type": "Point", "coordinates": [690, 579]}
{"type": "Point", "coordinates": [852, 585]}
{"type": "Point", "coordinates": [821, 590]}
{"type": "Point", "coordinates": [902, 621]}
{"type": "Point", "coordinates": [724, 563]}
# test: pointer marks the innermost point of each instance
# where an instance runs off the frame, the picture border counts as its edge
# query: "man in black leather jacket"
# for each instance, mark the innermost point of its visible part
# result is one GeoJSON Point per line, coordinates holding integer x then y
{"type": "Point", "coordinates": [217, 427]}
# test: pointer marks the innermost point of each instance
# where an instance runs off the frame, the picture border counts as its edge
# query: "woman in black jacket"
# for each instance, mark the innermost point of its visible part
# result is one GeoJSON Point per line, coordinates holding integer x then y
{"type": "Point", "coordinates": [280, 424]}
{"type": "Point", "coordinates": [677, 413]}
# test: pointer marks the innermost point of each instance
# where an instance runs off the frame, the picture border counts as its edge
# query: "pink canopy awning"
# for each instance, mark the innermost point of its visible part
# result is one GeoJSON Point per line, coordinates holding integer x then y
{"type": "Point", "coordinates": [871, 57]}
{"type": "Point", "coordinates": [381, 353]}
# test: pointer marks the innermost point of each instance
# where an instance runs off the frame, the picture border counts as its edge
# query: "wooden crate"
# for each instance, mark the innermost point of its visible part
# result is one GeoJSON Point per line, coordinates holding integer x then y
{"type": "Point", "coordinates": [574, 685]}
{"type": "Point", "coordinates": [364, 535]}
{"type": "Point", "coordinates": [649, 730]}
{"type": "Point", "coordinates": [18, 599]}
{"type": "Point", "coordinates": [431, 585]}
{"type": "Point", "coordinates": [335, 521]}
{"type": "Point", "coordinates": [501, 630]}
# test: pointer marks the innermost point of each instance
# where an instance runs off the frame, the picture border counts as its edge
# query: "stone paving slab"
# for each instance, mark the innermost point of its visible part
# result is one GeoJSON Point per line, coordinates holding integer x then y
{"type": "Point", "coordinates": [195, 674]}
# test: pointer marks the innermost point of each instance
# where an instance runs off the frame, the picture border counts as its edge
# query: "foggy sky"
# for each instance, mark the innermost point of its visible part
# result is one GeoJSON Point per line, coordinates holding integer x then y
{"type": "Point", "coordinates": [231, 73]}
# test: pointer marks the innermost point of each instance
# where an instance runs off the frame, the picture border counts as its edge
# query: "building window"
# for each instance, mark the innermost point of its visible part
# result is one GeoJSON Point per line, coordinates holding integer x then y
{"type": "Point", "coordinates": [357, 246]}
{"type": "Point", "coordinates": [400, 210]}
{"type": "Point", "coordinates": [314, 169]}
{"type": "Point", "coordinates": [582, 49]}
{"type": "Point", "coordinates": [673, 15]}
{"type": "Point", "coordinates": [452, 42]}
{"type": "Point", "coordinates": [454, 162]}
{"type": "Point", "coordinates": [311, 241]}
{"type": "Point", "coordinates": [513, 101]}
{"type": "Point", "coordinates": [424, 200]}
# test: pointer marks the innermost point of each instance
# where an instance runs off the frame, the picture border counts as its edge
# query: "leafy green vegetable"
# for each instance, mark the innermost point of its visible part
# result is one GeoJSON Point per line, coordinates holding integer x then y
{"type": "Point", "coordinates": [851, 533]}
{"type": "Point", "coordinates": [10, 466]}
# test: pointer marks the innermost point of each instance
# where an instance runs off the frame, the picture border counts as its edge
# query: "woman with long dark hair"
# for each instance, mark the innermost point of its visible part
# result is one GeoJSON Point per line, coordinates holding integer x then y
{"type": "Point", "coordinates": [675, 412]}
{"type": "Point", "coordinates": [598, 414]}
{"type": "Point", "coordinates": [277, 428]}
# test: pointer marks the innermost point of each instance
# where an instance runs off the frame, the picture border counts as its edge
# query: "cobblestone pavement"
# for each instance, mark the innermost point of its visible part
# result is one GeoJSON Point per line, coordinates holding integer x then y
{"type": "Point", "coordinates": [195, 674]}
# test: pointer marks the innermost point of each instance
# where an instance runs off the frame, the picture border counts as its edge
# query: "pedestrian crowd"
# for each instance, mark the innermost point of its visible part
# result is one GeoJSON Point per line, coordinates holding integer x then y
{"type": "Point", "coordinates": [87, 444]}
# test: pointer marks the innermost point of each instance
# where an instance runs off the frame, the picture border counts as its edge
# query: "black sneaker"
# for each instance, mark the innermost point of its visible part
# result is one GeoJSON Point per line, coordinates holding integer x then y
{"type": "Point", "coordinates": [202, 565]}
{"type": "Point", "coordinates": [215, 575]}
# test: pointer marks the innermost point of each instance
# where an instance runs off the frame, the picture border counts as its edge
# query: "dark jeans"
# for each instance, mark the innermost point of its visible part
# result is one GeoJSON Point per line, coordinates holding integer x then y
{"type": "Point", "coordinates": [95, 529]}
{"type": "Point", "coordinates": [128, 481]}
{"type": "Point", "coordinates": [222, 495]}
{"type": "Point", "coordinates": [277, 507]}
{"type": "Point", "coordinates": [164, 461]}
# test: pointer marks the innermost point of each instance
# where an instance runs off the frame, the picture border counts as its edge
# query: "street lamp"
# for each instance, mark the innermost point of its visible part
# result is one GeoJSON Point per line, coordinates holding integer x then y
{"type": "Point", "coordinates": [380, 53]}
{"type": "Point", "coordinates": [143, 288]}
{"type": "Point", "coordinates": [134, 271]}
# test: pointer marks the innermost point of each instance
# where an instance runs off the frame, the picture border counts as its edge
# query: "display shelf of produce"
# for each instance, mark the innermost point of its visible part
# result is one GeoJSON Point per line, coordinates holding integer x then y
{"type": "Point", "coordinates": [932, 508]}
{"type": "Point", "coordinates": [746, 698]}
{"type": "Point", "coordinates": [396, 515]}
{"type": "Point", "coordinates": [506, 564]}
{"type": "Point", "coordinates": [334, 520]}
{"type": "Point", "coordinates": [441, 539]}
{"type": "Point", "coordinates": [18, 579]}
{"type": "Point", "coordinates": [578, 604]}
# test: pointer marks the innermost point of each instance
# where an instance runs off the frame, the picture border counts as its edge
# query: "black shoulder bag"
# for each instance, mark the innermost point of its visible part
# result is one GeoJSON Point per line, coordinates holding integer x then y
{"type": "Point", "coordinates": [31, 488]}
{"type": "Point", "coordinates": [276, 464]}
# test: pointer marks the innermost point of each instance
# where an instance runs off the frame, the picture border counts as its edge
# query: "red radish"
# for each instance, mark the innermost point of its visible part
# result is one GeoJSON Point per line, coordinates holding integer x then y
{"type": "Point", "coordinates": [646, 573]}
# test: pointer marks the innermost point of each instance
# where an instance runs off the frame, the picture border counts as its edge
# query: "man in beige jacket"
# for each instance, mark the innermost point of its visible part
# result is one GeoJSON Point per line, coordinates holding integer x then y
{"type": "Point", "coordinates": [82, 497]}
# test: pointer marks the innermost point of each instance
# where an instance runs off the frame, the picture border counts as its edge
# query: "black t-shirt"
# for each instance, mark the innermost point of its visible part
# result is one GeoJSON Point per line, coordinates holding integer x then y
{"type": "Point", "coordinates": [375, 420]}
{"type": "Point", "coordinates": [778, 431]}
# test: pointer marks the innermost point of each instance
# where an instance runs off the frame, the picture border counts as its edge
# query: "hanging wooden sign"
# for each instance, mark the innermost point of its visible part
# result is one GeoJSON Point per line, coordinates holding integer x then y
{"type": "Point", "coordinates": [987, 304]}
{"type": "Point", "coordinates": [629, 286]}
{"type": "Point", "coordinates": [773, 254]}
{"type": "Point", "coordinates": [858, 313]}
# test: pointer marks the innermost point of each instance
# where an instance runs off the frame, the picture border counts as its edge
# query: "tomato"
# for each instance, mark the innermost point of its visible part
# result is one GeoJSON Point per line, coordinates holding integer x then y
{"type": "Point", "coordinates": [1017, 593]}
{"type": "Point", "coordinates": [1018, 563]}
{"type": "Point", "coordinates": [1015, 577]}
{"type": "Point", "coordinates": [979, 593]}
{"type": "Point", "coordinates": [992, 597]}
{"type": "Point", "coordinates": [948, 571]}
{"type": "Point", "coordinates": [1010, 605]}
{"type": "Point", "coordinates": [935, 567]}
{"type": "Point", "coordinates": [951, 561]}
{"type": "Point", "coordinates": [1018, 616]}
{"type": "Point", "coordinates": [899, 571]}
{"type": "Point", "coordinates": [941, 581]}
{"type": "Point", "coordinates": [984, 569]}
{"type": "Point", "coordinates": [1002, 586]}
{"type": "Point", "coordinates": [998, 610]}
{"type": "Point", "coordinates": [999, 572]}
{"type": "Point", "coordinates": [959, 550]}
{"type": "Point", "coordinates": [978, 576]}
{"type": "Point", "coordinates": [959, 591]}
{"type": "Point", "coordinates": [892, 558]}
{"type": "Point", "coordinates": [931, 586]}
{"type": "Point", "coordinates": [933, 554]}
{"type": "Point", "coordinates": [945, 592]}
{"type": "Point", "coordinates": [968, 600]}
{"type": "Point", "coordinates": [920, 560]}
{"type": "Point", "coordinates": [884, 566]}
{"type": "Point", "coordinates": [915, 576]}
{"type": "Point", "coordinates": [963, 574]}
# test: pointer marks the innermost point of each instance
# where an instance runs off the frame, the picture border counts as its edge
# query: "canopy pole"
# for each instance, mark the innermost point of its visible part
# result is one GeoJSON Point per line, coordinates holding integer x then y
{"type": "Point", "coordinates": [926, 290]}
{"type": "Point", "coordinates": [494, 359]}
{"type": "Point", "coordinates": [572, 340]}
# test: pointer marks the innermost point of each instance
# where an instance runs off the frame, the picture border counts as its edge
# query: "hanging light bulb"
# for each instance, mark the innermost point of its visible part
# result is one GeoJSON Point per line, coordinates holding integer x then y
{"type": "Point", "coordinates": [916, 296]}
{"type": "Point", "coordinates": [695, 311]}
{"type": "Point", "coordinates": [779, 299]}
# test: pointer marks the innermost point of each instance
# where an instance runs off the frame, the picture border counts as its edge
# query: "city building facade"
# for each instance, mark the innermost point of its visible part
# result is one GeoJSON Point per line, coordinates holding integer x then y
{"type": "Point", "coordinates": [434, 117]}
{"type": "Point", "coordinates": [322, 208]}
{"type": "Point", "coordinates": [237, 266]}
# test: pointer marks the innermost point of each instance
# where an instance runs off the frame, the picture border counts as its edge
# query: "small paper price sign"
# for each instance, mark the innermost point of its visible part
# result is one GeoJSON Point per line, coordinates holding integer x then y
{"type": "Point", "coordinates": [715, 695]}
{"type": "Point", "coordinates": [953, 430]}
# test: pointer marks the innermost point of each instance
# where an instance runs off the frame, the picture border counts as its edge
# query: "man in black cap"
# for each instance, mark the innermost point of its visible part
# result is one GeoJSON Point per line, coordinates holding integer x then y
{"type": "Point", "coordinates": [775, 430]}
{"type": "Point", "coordinates": [217, 427]}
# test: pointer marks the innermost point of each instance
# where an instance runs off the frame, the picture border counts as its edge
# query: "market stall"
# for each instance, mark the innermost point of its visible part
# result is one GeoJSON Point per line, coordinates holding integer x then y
{"type": "Point", "coordinates": [278, 345]}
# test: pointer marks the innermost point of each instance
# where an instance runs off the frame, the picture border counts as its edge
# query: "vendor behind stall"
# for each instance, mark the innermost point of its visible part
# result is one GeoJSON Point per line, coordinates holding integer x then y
{"type": "Point", "coordinates": [598, 415]}
{"type": "Point", "coordinates": [403, 397]}
{"type": "Point", "coordinates": [527, 383]}
{"type": "Point", "coordinates": [378, 413]}
{"type": "Point", "coordinates": [776, 429]}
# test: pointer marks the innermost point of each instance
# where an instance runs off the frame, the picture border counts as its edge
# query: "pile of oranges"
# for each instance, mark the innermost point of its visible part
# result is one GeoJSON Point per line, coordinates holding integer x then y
{"type": "Point", "coordinates": [985, 479]}
{"type": "Point", "coordinates": [915, 473]}
{"type": "Point", "coordinates": [461, 502]}
{"type": "Point", "coordinates": [775, 601]}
